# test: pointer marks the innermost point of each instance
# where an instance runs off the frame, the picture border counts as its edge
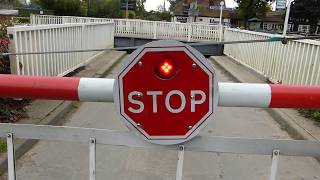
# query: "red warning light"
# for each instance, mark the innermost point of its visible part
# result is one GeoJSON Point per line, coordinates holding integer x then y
{"type": "Point", "coordinates": [165, 69]}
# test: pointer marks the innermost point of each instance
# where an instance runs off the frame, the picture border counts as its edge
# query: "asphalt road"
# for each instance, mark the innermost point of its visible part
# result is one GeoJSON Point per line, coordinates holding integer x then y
{"type": "Point", "coordinates": [50, 160]}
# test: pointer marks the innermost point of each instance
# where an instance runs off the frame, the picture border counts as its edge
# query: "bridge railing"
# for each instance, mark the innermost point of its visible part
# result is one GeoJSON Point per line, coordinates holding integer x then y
{"type": "Point", "coordinates": [296, 63]}
{"type": "Point", "coordinates": [51, 19]}
{"type": "Point", "coordinates": [56, 37]}
{"type": "Point", "coordinates": [144, 29]}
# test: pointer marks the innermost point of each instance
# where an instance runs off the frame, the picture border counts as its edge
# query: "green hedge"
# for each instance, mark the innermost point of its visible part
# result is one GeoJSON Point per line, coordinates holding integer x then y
{"type": "Point", "coordinates": [25, 12]}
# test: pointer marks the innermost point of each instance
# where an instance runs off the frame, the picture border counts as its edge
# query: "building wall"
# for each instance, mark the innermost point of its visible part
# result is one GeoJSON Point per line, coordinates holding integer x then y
{"type": "Point", "coordinates": [266, 26]}
{"type": "Point", "coordinates": [7, 4]}
{"type": "Point", "coordinates": [210, 8]}
{"type": "Point", "coordinates": [203, 20]}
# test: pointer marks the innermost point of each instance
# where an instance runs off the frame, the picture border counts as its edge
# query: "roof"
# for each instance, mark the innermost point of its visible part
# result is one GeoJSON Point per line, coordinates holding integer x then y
{"type": "Point", "coordinates": [274, 16]}
{"type": "Point", "coordinates": [255, 19]}
{"type": "Point", "coordinates": [8, 12]}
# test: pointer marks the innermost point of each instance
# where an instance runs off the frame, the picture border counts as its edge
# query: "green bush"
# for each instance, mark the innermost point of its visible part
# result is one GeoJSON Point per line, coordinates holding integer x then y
{"type": "Point", "coordinates": [3, 147]}
{"type": "Point", "coordinates": [313, 114]}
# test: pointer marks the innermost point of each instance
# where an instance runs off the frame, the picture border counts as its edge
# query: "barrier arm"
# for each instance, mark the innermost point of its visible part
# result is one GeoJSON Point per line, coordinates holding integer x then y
{"type": "Point", "coordinates": [101, 90]}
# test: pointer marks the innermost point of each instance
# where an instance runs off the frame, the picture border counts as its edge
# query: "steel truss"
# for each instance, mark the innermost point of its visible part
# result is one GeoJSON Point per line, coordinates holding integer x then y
{"type": "Point", "coordinates": [93, 136]}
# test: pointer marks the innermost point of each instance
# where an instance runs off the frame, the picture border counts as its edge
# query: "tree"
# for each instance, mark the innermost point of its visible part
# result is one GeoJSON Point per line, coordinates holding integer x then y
{"type": "Point", "coordinates": [106, 8]}
{"type": "Point", "coordinates": [140, 11]}
{"type": "Point", "coordinates": [250, 8]}
{"type": "Point", "coordinates": [306, 11]}
{"type": "Point", "coordinates": [61, 7]}
{"type": "Point", "coordinates": [160, 8]}
{"type": "Point", "coordinates": [172, 7]}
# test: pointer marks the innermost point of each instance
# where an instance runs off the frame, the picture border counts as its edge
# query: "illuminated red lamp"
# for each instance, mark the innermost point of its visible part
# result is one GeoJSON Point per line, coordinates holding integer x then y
{"type": "Point", "coordinates": [165, 69]}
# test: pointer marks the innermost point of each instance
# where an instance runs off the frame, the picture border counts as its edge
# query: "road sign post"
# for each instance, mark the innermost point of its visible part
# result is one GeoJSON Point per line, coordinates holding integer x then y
{"type": "Point", "coordinates": [166, 91]}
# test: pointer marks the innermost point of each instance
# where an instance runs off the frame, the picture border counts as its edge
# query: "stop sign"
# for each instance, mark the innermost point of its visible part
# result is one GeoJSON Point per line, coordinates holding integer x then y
{"type": "Point", "coordinates": [166, 92]}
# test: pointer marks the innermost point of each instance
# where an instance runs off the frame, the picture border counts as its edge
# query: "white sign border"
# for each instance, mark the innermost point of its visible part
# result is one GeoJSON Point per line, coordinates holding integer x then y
{"type": "Point", "coordinates": [166, 45]}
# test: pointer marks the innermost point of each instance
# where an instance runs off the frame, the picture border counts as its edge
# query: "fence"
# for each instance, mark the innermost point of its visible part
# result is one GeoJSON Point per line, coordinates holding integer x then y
{"type": "Point", "coordinates": [51, 19]}
{"type": "Point", "coordinates": [144, 29]}
{"type": "Point", "coordinates": [56, 37]}
{"type": "Point", "coordinates": [167, 30]}
{"type": "Point", "coordinates": [296, 63]}
{"type": "Point", "coordinates": [273, 147]}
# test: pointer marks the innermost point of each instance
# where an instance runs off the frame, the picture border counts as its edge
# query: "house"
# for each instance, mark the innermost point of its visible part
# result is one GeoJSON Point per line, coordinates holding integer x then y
{"type": "Point", "coordinates": [272, 22]}
{"type": "Point", "coordinates": [202, 11]}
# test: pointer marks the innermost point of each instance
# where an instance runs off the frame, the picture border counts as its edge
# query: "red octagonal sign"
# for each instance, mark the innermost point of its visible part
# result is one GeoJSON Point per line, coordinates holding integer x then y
{"type": "Point", "coordinates": [166, 92]}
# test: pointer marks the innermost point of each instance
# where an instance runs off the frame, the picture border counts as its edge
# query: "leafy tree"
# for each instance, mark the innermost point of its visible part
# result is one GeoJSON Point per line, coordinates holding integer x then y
{"type": "Point", "coordinates": [172, 7]}
{"type": "Point", "coordinates": [307, 11]}
{"type": "Point", "coordinates": [157, 16]}
{"type": "Point", "coordinates": [160, 8]}
{"type": "Point", "coordinates": [106, 8]}
{"type": "Point", "coordinates": [140, 11]}
{"type": "Point", "coordinates": [250, 8]}
{"type": "Point", "coordinates": [61, 7]}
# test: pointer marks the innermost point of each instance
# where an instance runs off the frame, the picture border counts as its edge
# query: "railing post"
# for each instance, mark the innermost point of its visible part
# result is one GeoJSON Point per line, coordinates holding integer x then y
{"type": "Point", "coordinates": [32, 19]}
{"type": "Point", "coordinates": [189, 32]}
{"type": "Point", "coordinates": [180, 163]}
{"type": "Point", "coordinates": [221, 32]}
{"type": "Point", "coordinates": [92, 157]}
{"type": "Point", "coordinates": [11, 158]}
{"type": "Point", "coordinates": [274, 164]}
{"type": "Point", "coordinates": [154, 30]}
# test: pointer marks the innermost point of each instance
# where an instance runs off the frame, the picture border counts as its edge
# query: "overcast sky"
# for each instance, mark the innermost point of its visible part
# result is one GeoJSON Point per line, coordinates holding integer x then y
{"type": "Point", "coordinates": [153, 4]}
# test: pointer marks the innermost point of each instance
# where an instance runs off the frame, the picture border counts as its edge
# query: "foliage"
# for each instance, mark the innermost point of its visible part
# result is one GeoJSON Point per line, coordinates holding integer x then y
{"type": "Point", "coordinates": [307, 10]}
{"type": "Point", "coordinates": [313, 114]}
{"type": "Point", "coordinates": [106, 8]}
{"type": "Point", "coordinates": [172, 7]}
{"type": "Point", "coordinates": [157, 16]}
{"type": "Point", "coordinates": [10, 110]}
{"type": "Point", "coordinates": [250, 8]}
{"type": "Point", "coordinates": [201, 9]}
{"type": "Point", "coordinates": [3, 147]}
{"type": "Point", "coordinates": [61, 7]}
{"type": "Point", "coordinates": [140, 11]}
{"type": "Point", "coordinates": [4, 44]}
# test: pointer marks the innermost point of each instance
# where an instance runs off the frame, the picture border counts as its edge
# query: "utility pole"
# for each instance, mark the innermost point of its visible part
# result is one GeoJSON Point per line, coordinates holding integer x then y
{"type": "Point", "coordinates": [127, 7]}
{"type": "Point", "coordinates": [164, 5]}
{"type": "Point", "coordinates": [220, 22]}
{"type": "Point", "coordinates": [89, 8]}
{"type": "Point", "coordinates": [285, 27]}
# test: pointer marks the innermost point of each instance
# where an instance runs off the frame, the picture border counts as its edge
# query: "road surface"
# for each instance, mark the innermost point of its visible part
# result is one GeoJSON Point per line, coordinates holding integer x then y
{"type": "Point", "coordinates": [50, 160]}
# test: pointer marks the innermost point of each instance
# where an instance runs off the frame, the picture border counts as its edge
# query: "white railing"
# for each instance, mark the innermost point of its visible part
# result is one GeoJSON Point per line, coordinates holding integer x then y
{"type": "Point", "coordinates": [144, 29]}
{"type": "Point", "coordinates": [296, 63]}
{"type": "Point", "coordinates": [56, 37]}
{"type": "Point", "coordinates": [50, 19]}
{"type": "Point", "coordinates": [272, 147]}
{"type": "Point", "coordinates": [166, 30]}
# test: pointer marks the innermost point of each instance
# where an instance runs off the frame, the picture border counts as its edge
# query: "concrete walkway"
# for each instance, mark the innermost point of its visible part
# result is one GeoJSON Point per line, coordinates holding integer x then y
{"type": "Point", "coordinates": [62, 161]}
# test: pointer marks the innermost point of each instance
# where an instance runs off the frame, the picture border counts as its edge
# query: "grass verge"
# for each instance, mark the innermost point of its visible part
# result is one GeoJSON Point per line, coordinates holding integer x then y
{"type": "Point", "coordinates": [313, 114]}
{"type": "Point", "coordinates": [3, 147]}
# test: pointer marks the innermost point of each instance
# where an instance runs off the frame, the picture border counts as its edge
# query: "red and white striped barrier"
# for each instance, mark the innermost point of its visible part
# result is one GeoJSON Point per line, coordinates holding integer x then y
{"type": "Point", "coordinates": [101, 90]}
{"type": "Point", "coordinates": [57, 88]}
{"type": "Point", "coordinates": [268, 95]}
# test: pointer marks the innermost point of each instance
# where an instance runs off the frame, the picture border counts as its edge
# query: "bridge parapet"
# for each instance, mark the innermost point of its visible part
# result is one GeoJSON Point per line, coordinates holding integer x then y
{"type": "Point", "coordinates": [189, 32]}
{"type": "Point", "coordinates": [56, 37]}
{"type": "Point", "coordinates": [294, 63]}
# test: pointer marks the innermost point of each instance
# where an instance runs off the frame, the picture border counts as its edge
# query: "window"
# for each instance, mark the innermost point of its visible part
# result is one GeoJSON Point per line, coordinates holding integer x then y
{"type": "Point", "coordinates": [265, 26]}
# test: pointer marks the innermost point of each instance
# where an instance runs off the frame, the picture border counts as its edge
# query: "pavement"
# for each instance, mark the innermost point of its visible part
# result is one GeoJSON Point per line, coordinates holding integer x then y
{"type": "Point", "coordinates": [53, 111]}
{"type": "Point", "coordinates": [51, 160]}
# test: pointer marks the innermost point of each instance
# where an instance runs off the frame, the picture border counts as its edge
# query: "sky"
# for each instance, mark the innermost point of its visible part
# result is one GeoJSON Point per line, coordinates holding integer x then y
{"type": "Point", "coordinates": [153, 4]}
